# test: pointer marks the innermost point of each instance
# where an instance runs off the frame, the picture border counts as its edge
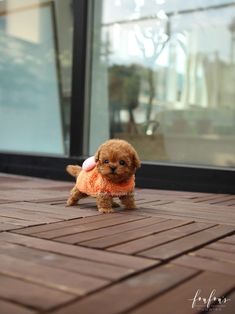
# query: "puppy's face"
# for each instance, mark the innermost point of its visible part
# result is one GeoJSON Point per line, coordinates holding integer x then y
{"type": "Point", "coordinates": [117, 160]}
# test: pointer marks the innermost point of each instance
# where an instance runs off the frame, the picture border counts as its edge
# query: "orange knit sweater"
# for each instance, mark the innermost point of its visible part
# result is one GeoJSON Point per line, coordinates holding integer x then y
{"type": "Point", "coordinates": [92, 183]}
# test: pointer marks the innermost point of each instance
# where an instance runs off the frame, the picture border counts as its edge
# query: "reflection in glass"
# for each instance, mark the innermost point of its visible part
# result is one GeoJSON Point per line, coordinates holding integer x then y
{"type": "Point", "coordinates": [35, 67]}
{"type": "Point", "coordinates": [164, 73]}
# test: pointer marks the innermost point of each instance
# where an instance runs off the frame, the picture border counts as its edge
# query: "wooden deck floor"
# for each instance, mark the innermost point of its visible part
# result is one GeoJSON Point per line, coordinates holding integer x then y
{"type": "Point", "coordinates": [151, 260]}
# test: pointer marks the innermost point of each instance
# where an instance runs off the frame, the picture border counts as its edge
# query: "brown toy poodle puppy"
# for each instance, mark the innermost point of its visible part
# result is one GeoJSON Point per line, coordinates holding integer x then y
{"type": "Point", "coordinates": [113, 175]}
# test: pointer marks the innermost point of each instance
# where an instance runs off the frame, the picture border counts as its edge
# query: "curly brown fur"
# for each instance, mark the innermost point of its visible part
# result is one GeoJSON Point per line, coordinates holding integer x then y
{"type": "Point", "coordinates": [116, 160]}
{"type": "Point", "coordinates": [75, 196]}
{"type": "Point", "coordinates": [73, 170]}
{"type": "Point", "coordinates": [128, 201]}
{"type": "Point", "coordinates": [104, 203]}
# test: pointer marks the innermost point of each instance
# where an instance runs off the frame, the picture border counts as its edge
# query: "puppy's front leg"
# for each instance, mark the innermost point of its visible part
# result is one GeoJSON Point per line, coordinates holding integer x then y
{"type": "Point", "coordinates": [128, 200]}
{"type": "Point", "coordinates": [104, 203]}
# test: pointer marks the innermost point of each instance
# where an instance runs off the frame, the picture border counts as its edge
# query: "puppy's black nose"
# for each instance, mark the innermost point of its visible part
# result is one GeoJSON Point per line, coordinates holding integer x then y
{"type": "Point", "coordinates": [113, 169]}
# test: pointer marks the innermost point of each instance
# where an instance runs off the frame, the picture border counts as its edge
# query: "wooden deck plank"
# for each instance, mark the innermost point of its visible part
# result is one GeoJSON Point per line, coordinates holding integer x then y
{"type": "Point", "coordinates": [208, 214]}
{"type": "Point", "coordinates": [18, 222]}
{"type": "Point", "coordinates": [168, 214]}
{"type": "Point", "coordinates": [180, 298]}
{"type": "Point", "coordinates": [214, 254]}
{"type": "Point", "coordinates": [37, 195]}
{"type": "Point", "coordinates": [226, 247]}
{"type": "Point", "coordinates": [67, 231]}
{"type": "Point", "coordinates": [148, 242]}
{"type": "Point", "coordinates": [7, 226]}
{"type": "Point", "coordinates": [44, 209]}
{"type": "Point", "coordinates": [68, 223]}
{"type": "Point", "coordinates": [142, 203]}
{"type": "Point", "coordinates": [227, 199]}
{"type": "Point", "coordinates": [31, 294]}
{"type": "Point", "coordinates": [32, 216]}
{"type": "Point", "coordinates": [10, 308]}
{"type": "Point", "coordinates": [230, 240]}
{"type": "Point", "coordinates": [7, 178]}
{"type": "Point", "coordinates": [133, 291]}
{"type": "Point", "coordinates": [182, 194]}
{"type": "Point", "coordinates": [132, 262]}
{"type": "Point", "coordinates": [126, 236]}
{"type": "Point", "coordinates": [107, 231]}
{"type": "Point", "coordinates": [57, 261]}
{"type": "Point", "coordinates": [206, 264]}
{"type": "Point", "coordinates": [197, 210]}
{"type": "Point", "coordinates": [48, 276]}
{"type": "Point", "coordinates": [228, 203]}
{"type": "Point", "coordinates": [188, 243]}
{"type": "Point", "coordinates": [212, 198]}
{"type": "Point", "coordinates": [6, 201]}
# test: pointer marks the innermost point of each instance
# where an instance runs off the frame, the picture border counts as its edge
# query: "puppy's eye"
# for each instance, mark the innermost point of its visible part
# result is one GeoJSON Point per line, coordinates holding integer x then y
{"type": "Point", "coordinates": [106, 161]}
{"type": "Point", "coordinates": [122, 162]}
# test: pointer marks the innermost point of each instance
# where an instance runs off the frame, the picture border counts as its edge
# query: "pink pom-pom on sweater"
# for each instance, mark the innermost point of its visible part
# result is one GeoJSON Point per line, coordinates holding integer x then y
{"type": "Point", "coordinates": [89, 163]}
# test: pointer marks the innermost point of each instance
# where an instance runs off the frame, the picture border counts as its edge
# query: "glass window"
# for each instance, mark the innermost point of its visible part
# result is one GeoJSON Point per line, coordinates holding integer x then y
{"type": "Point", "coordinates": [163, 75]}
{"type": "Point", "coordinates": [35, 75]}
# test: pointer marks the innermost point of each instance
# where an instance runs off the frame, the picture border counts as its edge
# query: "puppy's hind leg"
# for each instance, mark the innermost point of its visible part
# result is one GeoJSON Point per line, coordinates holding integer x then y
{"type": "Point", "coordinates": [75, 196]}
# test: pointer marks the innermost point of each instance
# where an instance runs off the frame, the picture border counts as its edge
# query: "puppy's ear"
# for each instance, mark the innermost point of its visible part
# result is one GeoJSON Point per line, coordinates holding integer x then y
{"type": "Point", "coordinates": [97, 155]}
{"type": "Point", "coordinates": [136, 160]}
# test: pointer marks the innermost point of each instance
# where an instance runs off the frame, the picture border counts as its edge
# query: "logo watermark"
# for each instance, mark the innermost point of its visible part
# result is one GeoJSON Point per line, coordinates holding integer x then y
{"type": "Point", "coordinates": [209, 302]}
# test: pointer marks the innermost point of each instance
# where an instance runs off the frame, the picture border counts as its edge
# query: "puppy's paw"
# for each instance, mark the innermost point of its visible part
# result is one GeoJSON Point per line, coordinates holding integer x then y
{"type": "Point", "coordinates": [71, 202]}
{"type": "Point", "coordinates": [105, 210]}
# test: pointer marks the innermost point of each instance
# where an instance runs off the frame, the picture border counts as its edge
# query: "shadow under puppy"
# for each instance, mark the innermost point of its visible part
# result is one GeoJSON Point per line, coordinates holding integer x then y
{"type": "Point", "coordinates": [113, 175]}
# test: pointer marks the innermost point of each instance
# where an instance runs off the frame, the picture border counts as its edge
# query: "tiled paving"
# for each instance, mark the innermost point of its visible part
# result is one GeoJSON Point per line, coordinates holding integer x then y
{"type": "Point", "coordinates": [55, 259]}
